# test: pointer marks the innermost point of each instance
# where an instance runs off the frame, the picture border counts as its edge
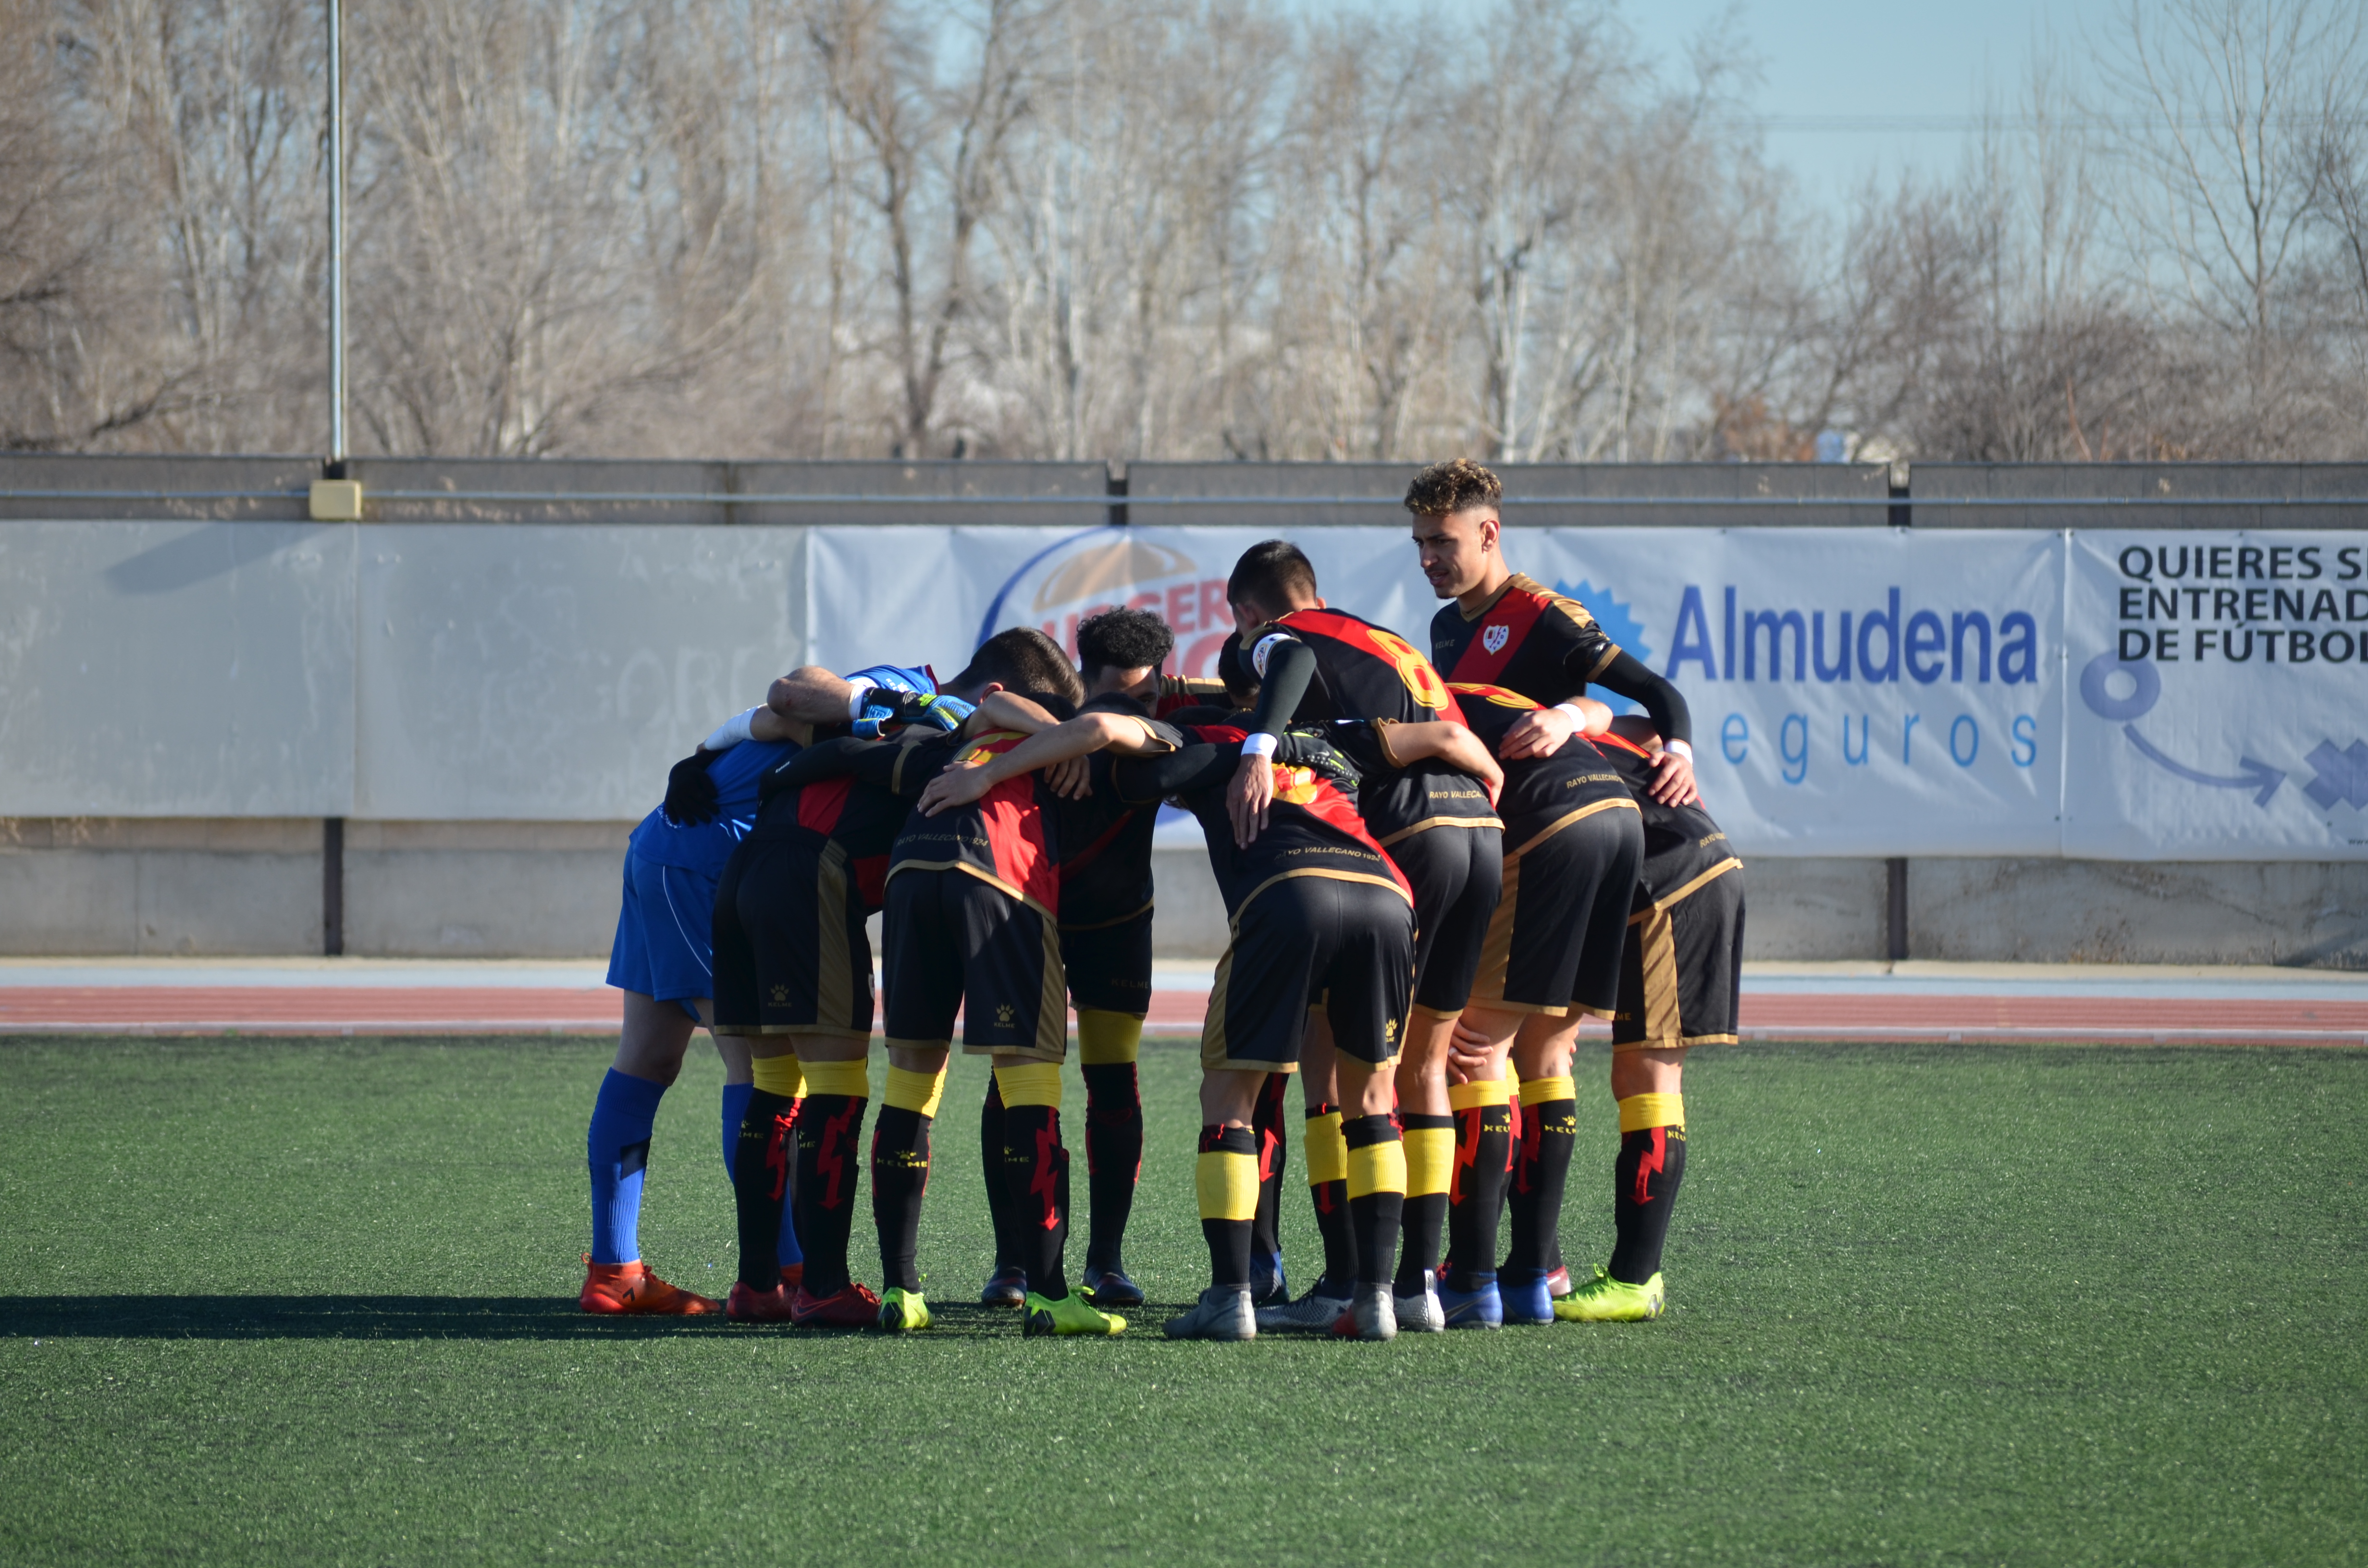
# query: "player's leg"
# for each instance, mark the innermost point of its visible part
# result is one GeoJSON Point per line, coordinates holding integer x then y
{"type": "Point", "coordinates": [763, 1167]}
{"type": "Point", "coordinates": [1006, 1284]}
{"type": "Point", "coordinates": [1549, 1111]}
{"type": "Point", "coordinates": [900, 1179]}
{"type": "Point", "coordinates": [747, 932]}
{"type": "Point", "coordinates": [1686, 972]}
{"type": "Point", "coordinates": [1109, 972]}
{"type": "Point", "coordinates": [1479, 1102]}
{"type": "Point", "coordinates": [1268, 1131]}
{"type": "Point", "coordinates": [1368, 983]}
{"type": "Point", "coordinates": [1015, 1010]}
{"type": "Point", "coordinates": [1225, 1184]}
{"type": "Point", "coordinates": [664, 987]}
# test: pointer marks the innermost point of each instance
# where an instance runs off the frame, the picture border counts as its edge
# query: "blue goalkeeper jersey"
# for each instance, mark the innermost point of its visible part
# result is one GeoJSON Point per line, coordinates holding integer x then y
{"type": "Point", "coordinates": [704, 847]}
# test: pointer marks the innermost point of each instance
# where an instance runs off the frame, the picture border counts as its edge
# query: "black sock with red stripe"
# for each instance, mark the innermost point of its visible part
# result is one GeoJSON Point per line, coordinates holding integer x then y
{"type": "Point", "coordinates": [762, 1159]}
{"type": "Point", "coordinates": [1643, 1190]}
{"type": "Point", "coordinates": [1540, 1171]}
{"type": "Point", "coordinates": [1273, 1149]}
{"type": "Point", "coordinates": [827, 1134]}
{"type": "Point", "coordinates": [990, 1160]}
{"type": "Point", "coordinates": [1036, 1184]}
{"type": "Point", "coordinates": [1476, 1202]}
{"type": "Point", "coordinates": [1113, 1157]}
{"type": "Point", "coordinates": [900, 1175]}
{"type": "Point", "coordinates": [1376, 1217]}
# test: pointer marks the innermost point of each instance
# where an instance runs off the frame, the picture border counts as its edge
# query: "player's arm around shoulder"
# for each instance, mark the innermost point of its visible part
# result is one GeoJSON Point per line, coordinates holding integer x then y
{"type": "Point", "coordinates": [1439, 740]}
{"type": "Point", "coordinates": [1062, 743]}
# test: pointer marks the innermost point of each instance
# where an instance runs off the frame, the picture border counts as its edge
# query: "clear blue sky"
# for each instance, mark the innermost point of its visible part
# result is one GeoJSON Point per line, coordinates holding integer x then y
{"type": "Point", "coordinates": [1838, 60]}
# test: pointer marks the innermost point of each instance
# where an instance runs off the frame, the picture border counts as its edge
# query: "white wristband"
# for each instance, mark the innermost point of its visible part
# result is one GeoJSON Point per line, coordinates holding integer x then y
{"type": "Point", "coordinates": [855, 702]}
{"type": "Point", "coordinates": [1680, 747]}
{"type": "Point", "coordinates": [731, 732]}
{"type": "Point", "coordinates": [1259, 745]}
{"type": "Point", "coordinates": [1575, 710]}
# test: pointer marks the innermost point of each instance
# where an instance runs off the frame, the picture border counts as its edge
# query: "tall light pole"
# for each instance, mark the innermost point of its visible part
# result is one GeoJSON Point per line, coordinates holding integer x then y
{"type": "Point", "coordinates": [337, 236]}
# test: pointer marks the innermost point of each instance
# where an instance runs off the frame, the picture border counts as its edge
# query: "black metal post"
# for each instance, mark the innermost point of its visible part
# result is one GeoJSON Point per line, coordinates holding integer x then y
{"type": "Point", "coordinates": [1894, 878]}
{"type": "Point", "coordinates": [333, 886]}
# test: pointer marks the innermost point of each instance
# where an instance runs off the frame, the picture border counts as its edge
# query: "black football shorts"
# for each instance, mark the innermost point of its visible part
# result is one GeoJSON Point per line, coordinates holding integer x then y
{"type": "Point", "coordinates": [1305, 938]}
{"type": "Point", "coordinates": [1556, 941]}
{"type": "Point", "coordinates": [792, 956]}
{"type": "Point", "coordinates": [1681, 975]}
{"type": "Point", "coordinates": [1455, 872]}
{"type": "Point", "coordinates": [1109, 965]}
{"type": "Point", "coordinates": [956, 943]}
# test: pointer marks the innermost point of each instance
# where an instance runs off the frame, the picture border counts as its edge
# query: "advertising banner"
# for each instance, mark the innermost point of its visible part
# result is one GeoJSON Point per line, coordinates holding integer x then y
{"type": "Point", "coordinates": [2220, 696]}
{"type": "Point", "coordinates": [1855, 691]}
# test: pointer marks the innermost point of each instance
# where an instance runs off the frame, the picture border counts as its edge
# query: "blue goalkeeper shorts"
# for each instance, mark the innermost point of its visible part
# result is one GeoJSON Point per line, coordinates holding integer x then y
{"type": "Point", "coordinates": [665, 944]}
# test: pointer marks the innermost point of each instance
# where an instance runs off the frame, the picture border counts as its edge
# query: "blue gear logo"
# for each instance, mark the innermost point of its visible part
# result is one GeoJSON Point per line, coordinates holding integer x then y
{"type": "Point", "coordinates": [1619, 623]}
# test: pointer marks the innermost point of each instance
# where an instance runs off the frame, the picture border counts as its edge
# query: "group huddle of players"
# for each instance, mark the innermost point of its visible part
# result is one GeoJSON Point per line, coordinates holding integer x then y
{"type": "Point", "coordinates": [1433, 866]}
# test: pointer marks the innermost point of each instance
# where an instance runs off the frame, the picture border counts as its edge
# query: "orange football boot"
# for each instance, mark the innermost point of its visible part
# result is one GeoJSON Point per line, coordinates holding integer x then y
{"type": "Point", "coordinates": [630, 1288]}
{"type": "Point", "coordinates": [854, 1306]}
{"type": "Point", "coordinates": [745, 1305]}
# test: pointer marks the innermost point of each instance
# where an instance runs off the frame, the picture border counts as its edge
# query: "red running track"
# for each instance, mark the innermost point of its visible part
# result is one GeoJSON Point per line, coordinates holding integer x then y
{"type": "Point", "coordinates": [1790, 1014]}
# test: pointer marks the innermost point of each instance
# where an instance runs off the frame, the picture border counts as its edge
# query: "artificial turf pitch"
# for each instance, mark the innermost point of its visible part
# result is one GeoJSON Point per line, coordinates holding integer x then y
{"type": "Point", "coordinates": [312, 1302]}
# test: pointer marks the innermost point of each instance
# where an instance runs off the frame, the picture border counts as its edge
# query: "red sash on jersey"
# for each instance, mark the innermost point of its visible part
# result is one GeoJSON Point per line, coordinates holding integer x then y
{"type": "Point", "coordinates": [1513, 613]}
{"type": "Point", "coordinates": [1015, 826]}
{"type": "Point", "coordinates": [1420, 675]}
{"type": "Point", "coordinates": [1326, 804]}
{"type": "Point", "coordinates": [1608, 739]}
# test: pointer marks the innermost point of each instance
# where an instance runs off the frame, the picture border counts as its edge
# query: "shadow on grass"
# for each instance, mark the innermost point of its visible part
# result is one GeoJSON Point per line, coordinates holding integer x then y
{"type": "Point", "coordinates": [428, 1317]}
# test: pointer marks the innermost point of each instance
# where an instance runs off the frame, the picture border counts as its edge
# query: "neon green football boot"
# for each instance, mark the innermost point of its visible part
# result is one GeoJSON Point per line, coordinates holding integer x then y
{"type": "Point", "coordinates": [903, 1310]}
{"type": "Point", "coordinates": [1071, 1314]}
{"type": "Point", "coordinates": [1606, 1299]}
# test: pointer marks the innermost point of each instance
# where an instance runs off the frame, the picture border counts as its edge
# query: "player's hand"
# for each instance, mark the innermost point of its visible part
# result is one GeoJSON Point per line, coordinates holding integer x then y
{"type": "Point", "coordinates": [1537, 733]}
{"type": "Point", "coordinates": [1072, 780]}
{"type": "Point", "coordinates": [1673, 780]}
{"type": "Point", "coordinates": [1248, 797]}
{"type": "Point", "coordinates": [1469, 1054]}
{"type": "Point", "coordinates": [691, 792]}
{"type": "Point", "coordinates": [957, 786]}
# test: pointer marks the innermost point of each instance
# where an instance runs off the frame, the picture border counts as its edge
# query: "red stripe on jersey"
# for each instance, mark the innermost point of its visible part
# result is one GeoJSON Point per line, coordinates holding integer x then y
{"type": "Point", "coordinates": [821, 804]}
{"type": "Point", "coordinates": [1014, 823]}
{"type": "Point", "coordinates": [1607, 740]}
{"type": "Point", "coordinates": [1325, 803]}
{"type": "Point", "coordinates": [871, 881]}
{"type": "Point", "coordinates": [1500, 696]}
{"type": "Point", "coordinates": [1417, 674]}
{"type": "Point", "coordinates": [1511, 618]}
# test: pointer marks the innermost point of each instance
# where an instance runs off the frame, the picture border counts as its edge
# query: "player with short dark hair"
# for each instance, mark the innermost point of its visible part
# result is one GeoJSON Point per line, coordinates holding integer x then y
{"type": "Point", "coordinates": [1507, 630]}
{"type": "Point", "coordinates": [1316, 664]}
{"type": "Point", "coordinates": [662, 960]}
{"type": "Point", "coordinates": [1106, 909]}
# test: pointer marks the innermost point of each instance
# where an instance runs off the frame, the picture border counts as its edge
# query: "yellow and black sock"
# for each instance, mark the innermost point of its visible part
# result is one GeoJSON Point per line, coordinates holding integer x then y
{"type": "Point", "coordinates": [1644, 1183]}
{"type": "Point", "coordinates": [1036, 1173]}
{"type": "Point", "coordinates": [990, 1160]}
{"type": "Point", "coordinates": [1431, 1165]}
{"type": "Point", "coordinates": [1541, 1171]}
{"type": "Point", "coordinates": [1226, 1181]}
{"type": "Point", "coordinates": [829, 1127]}
{"type": "Point", "coordinates": [900, 1171]}
{"type": "Point", "coordinates": [1107, 1047]}
{"type": "Point", "coordinates": [762, 1160]}
{"type": "Point", "coordinates": [1377, 1179]}
{"type": "Point", "coordinates": [1475, 1197]}
{"type": "Point", "coordinates": [1327, 1184]}
{"type": "Point", "coordinates": [1267, 1123]}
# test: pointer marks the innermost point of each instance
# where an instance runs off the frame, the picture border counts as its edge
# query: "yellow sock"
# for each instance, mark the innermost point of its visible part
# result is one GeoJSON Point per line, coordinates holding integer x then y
{"type": "Point", "coordinates": [1545, 1091]}
{"type": "Point", "coordinates": [1227, 1184]}
{"type": "Point", "coordinates": [1429, 1159]}
{"type": "Point", "coordinates": [777, 1076]}
{"type": "Point", "coordinates": [1472, 1097]}
{"type": "Point", "coordinates": [1327, 1149]}
{"type": "Point", "coordinates": [1033, 1082]}
{"type": "Point", "coordinates": [1106, 1040]}
{"type": "Point", "coordinates": [1377, 1167]}
{"type": "Point", "coordinates": [915, 1091]}
{"type": "Point", "coordinates": [1638, 1112]}
{"type": "Point", "coordinates": [852, 1079]}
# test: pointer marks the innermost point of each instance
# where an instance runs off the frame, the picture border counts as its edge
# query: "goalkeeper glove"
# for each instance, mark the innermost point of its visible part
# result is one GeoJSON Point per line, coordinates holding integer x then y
{"type": "Point", "coordinates": [691, 792]}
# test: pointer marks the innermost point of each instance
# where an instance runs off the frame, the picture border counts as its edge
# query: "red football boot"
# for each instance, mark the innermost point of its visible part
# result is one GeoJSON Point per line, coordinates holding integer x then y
{"type": "Point", "coordinates": [629, 1287]}
{"type": "Point", "coordinates": [794, 1275]}
{"type": "Point", "coordinates": [852, 1307]}
{"type": "Point", "coordinates": [745, 1305]}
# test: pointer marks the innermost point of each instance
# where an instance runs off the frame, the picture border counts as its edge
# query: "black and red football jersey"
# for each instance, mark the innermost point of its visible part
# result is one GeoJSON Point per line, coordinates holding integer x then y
{"type": "Point", "coordinates": [861, 816]}
{"type": "Point", "coordinates": [1314, 828]}
{"type": "Point", "coordinates": [1106, 840]}
{"type": "Point", "coordinates": [1539, 791]}
{"type": "Point", "coordinates": [1682, 844]}
{"type": "Point", "coordinates": [1528, 639]}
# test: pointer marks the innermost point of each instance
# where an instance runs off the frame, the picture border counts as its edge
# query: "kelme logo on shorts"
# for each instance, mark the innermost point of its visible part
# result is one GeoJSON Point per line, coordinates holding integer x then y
{"type": "Point", "coordinates": [1003, 1015]}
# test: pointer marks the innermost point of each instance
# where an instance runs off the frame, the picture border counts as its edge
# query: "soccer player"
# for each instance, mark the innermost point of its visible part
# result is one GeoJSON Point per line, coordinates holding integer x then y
{"type": "Point", "coordinates": [972, 927]}
{"type": "Point", "coordinates": [1316, 910]}
{"type": "Point", "coordinates": [1315, 663]}
{"type": "Point", "coordinates": [793, 972]}
{"type": "Point", "coordinates": [662, 960]}
{"type": "Point", "coordinates": [1507, 631]}
{"type": "Point", "coordinates": [1105, 906]}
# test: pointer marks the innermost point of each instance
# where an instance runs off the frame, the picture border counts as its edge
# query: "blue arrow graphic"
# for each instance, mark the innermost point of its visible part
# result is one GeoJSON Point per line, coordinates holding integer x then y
{"type": "Point", "coordinates": [2257, 776]}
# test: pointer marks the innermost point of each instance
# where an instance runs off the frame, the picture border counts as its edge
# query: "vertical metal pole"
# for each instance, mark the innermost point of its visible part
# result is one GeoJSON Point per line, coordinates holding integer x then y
{"type": "Point", "coordinates": [1895, 911]}
{"type": "Point", "coordinates": [336, 240]}
{"type": "Point", "coordinates": [333, 886]}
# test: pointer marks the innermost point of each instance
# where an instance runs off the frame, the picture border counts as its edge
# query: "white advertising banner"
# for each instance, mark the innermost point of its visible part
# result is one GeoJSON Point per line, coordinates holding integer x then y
{"type": "Point", "coordinates": [1855, 691]}
{"type": "Point", "coordinates": [2219, 696]}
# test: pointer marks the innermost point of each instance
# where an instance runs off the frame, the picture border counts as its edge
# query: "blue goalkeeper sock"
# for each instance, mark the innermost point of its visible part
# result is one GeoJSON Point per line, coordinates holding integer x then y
{"type": "Point", "coordinates": [617, 1147]}
{"type": "Point", "coordinates": [735, 1110]}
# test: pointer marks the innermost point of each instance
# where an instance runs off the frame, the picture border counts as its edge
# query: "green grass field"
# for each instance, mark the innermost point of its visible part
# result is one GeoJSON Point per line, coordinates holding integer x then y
{"type": "Point", "coordinates": [304, 1301]}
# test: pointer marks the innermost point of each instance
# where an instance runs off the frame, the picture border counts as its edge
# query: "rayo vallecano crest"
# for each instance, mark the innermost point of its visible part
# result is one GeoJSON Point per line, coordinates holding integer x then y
{"type": "Point", "coordinates": [1493, 638]}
